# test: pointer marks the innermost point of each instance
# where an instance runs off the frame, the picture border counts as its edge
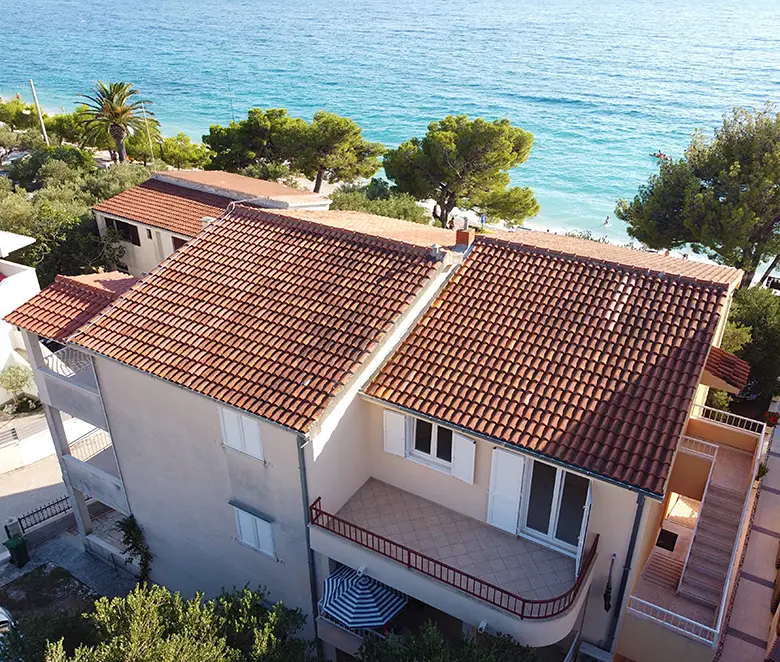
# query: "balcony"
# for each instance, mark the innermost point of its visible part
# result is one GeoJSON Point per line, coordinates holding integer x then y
{"type": "Point", "coordinates": [683, 589]}
{"type": "Point", "coordinates": [70, 385]}
{"type": "Point", "coordinates": [470, 570]}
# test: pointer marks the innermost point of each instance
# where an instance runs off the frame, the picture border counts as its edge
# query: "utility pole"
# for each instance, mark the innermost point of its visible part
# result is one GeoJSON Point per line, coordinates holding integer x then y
{"type": "Point", "coordinates": [149, 136]}
{"type": "Point", "coordinates": [40, 114]}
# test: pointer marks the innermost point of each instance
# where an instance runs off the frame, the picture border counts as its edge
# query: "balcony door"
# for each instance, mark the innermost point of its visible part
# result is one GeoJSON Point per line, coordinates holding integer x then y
{"type": "Point", "coordinates": [557, 506]}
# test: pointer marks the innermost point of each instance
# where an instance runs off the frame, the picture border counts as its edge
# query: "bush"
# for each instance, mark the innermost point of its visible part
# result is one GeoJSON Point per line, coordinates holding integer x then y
{"type": "Point", "coordinates": [401, 205]}
{"type": "Point", "coordinates": [14, 379]}
{"type": "Point", "coordinates": [28, 640]}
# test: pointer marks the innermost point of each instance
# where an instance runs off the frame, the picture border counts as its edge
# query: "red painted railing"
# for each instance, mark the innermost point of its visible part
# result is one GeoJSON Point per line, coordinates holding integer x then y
{"type": "Point", "coordinates": [452, 576]}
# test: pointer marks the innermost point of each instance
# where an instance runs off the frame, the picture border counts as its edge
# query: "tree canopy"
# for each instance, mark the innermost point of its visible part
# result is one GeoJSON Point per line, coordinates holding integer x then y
{"type": "Point", "coordinates": [465, 163]}
{"type": "Point", "coordinates": [429, 645]}
{"type": "Point", "coordinates": [180, 152]}
{"type": "Point", "coordinates": [722, 198]}
{"type": "Point", "coordinates": [113, 107]}
{"type": "Point", "coordinates": [152, 624]}
{"type": "Point", "coordinates": [377, 198]}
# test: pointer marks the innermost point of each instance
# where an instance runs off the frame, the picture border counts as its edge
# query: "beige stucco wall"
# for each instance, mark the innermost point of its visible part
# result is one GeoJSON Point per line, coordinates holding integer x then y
{"type": "Point", "coordinates": [179, 480]}
{"type": "Point", "coordinates": [357, 453]}
{"type": "Point", "coordinates": [142, 259]}
{"type": "Point", "coordinates": [689, 475]}
{"type": "Point", "coordinates": [719, 434]}
{"type": "Point", "coordinates": [642, 640]}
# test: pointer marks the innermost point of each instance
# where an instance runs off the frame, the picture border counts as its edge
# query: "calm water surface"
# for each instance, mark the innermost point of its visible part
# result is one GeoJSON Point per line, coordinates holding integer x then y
{"type": "Point", "coordinates": [600, 84]}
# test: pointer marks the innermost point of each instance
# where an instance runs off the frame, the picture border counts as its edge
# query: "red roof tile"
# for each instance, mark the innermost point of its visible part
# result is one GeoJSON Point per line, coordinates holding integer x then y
{"type": "Point", "coordinates": [267, 313]}
{"type": "Point", "coordinates": [586, 361]}
{"type": "Point", "coordinates": [731, 369]}
{"type": "Point", "coordinates": [239, 186]}
{"type": "Point", "coordinates": [69, 302]}
{"type": "Point", "coordinates": [168, 206]}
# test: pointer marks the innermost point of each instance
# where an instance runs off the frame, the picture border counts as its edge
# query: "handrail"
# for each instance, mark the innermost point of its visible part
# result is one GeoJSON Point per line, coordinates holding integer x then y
{"type": "Point", "coordinates": [90, 444]}
{"type": "Point", "coordinates": [740, 531]}
{"type": "Point", "coordinates": [67, 361]}
{"type": "Point", "coordinates": [533, 609]}
{"type": "Point", "coordinates": [698, 518]}
{"type": "Point", "coordinates": [358, 632]}
{"type": "Point", "coordinates": [698, 447]}
{"type": "Point", "coordinates": [673, 621]}
{"type": "Point", "coordinates": [728, 419]}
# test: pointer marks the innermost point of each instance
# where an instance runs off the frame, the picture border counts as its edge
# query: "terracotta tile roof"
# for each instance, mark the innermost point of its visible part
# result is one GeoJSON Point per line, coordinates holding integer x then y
{"type": "Point", "coordinates": [239, 186]}
{"type": "Point", "coordinates": [417, 234]}
{"type": "Point", "coordinates": [162, 205]}
{"type": "Point", "coordinates": [731, 369]}
{"type": "Point", "coordinates": [68, 303]}
{"type": "Point", "coordinates": [263, 312]}
{"type": "Point", "coordinates": [641, 259]}
{"type": "Point", "coordinates": [590, 363]}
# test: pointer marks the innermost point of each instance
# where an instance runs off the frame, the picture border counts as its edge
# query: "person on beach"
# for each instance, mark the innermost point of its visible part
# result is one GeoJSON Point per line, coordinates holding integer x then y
{"type": "Point", "coordinates": [606, 222]}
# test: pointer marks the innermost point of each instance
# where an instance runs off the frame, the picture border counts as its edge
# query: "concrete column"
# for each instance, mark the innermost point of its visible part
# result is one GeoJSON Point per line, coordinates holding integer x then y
{"type": "Point", "coordinates": [78, 500]}
{"type": "Point", "coordinates": [32, 346]}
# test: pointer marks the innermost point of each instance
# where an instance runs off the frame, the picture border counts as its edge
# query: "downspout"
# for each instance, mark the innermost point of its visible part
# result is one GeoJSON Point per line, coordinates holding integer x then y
{"type": "Point", "coordinates": [302, 441]}
{"type": "Point", "coordinates": [640, 505]}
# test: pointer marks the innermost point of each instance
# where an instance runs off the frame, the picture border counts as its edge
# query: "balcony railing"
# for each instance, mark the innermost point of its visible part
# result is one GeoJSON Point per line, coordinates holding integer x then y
{"type": "Point", "coordinates": [672, 621]}
{"type": "Point", "coordinates": [727, 418]}
{"type": "Point", "coordinates": [699, 447]}
{"type": "Point", "coordinates": [478, 588]}
{"type": "Point", "coordinates": [358, 632]}
{"type": "Point", "coordinates": [91, 444]}
{"type": "Point", "coordinates": [67, 361]}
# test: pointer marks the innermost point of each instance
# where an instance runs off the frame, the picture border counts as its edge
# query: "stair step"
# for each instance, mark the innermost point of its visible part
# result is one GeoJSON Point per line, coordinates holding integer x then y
{"type": "Point", "coordinates": [702, 548]}
{"type": "Point", "coordinates": [717, 570]}
{"type": "Point", "coordinates": [715, 539]}
{"type": "Point", "coordinates": [693, 593]}
{"type": "Point", "coordinates": [726, 495]}
{"type": "Point", "coordinates": [728, 508]}
{"type": "Point", "coordinates": [665, 572]}
{"type": "Point", "coordinates": [705, 584]}
{"type": "Point", "coordinates": [718, 528]}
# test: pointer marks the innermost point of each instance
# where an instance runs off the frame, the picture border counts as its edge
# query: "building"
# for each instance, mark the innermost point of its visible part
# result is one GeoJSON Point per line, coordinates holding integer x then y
{"type": "Point", "coordinates": [507, 430]}
{"type": "Point", "coordinates": [159, 216]}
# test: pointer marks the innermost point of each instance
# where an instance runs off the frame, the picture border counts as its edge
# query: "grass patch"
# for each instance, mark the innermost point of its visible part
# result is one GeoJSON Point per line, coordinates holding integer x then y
{"type": "Point", "coordinates": [46, 588]}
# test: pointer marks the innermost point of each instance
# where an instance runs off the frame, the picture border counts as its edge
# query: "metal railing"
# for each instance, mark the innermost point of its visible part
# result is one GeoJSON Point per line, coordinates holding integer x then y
{"type": "Point", "coordinates": [478, 588]}
{"type": "Point", "coordinates": [727, 418]}
{"type": "Point", "coordinates": [699, 447]}
{"type": "Point", "coordinates": [45, 512]}
{"type": "Point", "coordinates": [67, 361]}
{"type": "Point", "coordinates": [672, 621]}
{"type": "Point", "coordinates": [358, 632]}
{"type": "Point", "coordinates": [89, 445]}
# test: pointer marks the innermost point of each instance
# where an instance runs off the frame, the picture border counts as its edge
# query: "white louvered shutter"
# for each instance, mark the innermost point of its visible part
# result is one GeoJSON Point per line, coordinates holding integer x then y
{"type": "Point", "coordinates": [265, 538]}
{"type": "Point", "coordinates": [253, 444]}
{"type": "Point", "coordinates": [395, 433]}
{"type": "Point", "coordinates": [231, 428]}
{"type": "Point", "coordinates": [506, 485]}
{"type": "Point", "coordinates": [246, 527]}
{"type": "Point", "coordinates": [463, 451]}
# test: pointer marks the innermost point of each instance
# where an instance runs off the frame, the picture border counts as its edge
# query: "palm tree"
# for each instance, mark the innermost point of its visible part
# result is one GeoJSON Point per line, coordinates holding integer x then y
{"type": "Point", "coordinates": [111, 107]}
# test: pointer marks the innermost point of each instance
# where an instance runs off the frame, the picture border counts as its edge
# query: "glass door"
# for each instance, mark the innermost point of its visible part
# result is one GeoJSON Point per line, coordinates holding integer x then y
{"type": "Point", "coordinates": [556, 505]}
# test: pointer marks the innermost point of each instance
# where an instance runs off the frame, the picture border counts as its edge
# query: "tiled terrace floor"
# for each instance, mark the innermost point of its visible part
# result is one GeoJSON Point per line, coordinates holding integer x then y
{"type": "Point", "coordinates": [106, 527]}
{"type": "Point", "coordinates": [514, 564]}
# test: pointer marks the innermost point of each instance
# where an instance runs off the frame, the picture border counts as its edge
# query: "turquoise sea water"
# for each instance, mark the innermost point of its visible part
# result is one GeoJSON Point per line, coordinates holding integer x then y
{"type": "Point", "coordinates": [600, 84]}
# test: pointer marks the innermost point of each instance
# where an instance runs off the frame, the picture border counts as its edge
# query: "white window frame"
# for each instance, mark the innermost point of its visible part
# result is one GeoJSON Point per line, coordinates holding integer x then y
{"type": "Point", "coordinates": [423, 457]}
{"type": "Point", "coordinates": [255, 542]}
{"type": "Point", "coordinates": [242, 445]}
{"type": "Point", "coordinates": [549, 539]}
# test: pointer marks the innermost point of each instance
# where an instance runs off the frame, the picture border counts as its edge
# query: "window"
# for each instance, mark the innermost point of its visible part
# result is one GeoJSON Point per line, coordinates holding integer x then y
{"type": "Point", "coordinates": [127, 231]}
{"type": "Point", "coordinates": [178, 243]}
{"type": "Point", "coordinates": [254, 530]}
{"type": "Point", "coordinates": [241, 433]}
{"type": "Point", "coordinates": [432, 442]}
{"type": "Point", "coordinates": [148, 233]}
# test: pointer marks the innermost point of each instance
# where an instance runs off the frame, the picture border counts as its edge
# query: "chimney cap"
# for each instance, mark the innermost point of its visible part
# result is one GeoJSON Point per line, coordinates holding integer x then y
{"type": "Point", "coordinates": [464, 238]}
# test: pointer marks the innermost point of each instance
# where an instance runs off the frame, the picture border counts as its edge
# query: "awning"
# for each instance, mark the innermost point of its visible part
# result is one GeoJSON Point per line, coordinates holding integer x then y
{"type": "Point", "coordinates": [359, 601]}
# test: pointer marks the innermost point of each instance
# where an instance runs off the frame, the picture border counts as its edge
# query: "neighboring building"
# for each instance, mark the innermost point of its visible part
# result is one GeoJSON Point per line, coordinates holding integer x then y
{"type": "Point", "coordinates": [498, 428]}
{"type": "Point", "coordinates": [159, 216]}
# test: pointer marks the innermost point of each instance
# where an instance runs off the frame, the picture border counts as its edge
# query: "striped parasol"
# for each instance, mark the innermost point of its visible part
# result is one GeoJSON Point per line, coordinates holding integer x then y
{"type": "Point", "coordinates": [359, 601]}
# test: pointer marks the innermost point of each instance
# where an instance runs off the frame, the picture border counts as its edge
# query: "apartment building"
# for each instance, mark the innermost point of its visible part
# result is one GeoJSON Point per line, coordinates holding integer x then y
{"type": "Point", "coordinates": [504, 433]}
{"type": "Point", "coordinates": [159, 216]}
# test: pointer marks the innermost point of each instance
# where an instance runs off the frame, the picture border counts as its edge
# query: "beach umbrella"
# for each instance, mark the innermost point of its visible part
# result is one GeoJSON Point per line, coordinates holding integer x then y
{"type": "Point", "coordinates": [359, 601]}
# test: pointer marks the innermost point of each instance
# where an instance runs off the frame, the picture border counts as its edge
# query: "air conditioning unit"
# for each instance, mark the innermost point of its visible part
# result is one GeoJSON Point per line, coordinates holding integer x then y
{"type": "Point", "coordinates": [589, 653]}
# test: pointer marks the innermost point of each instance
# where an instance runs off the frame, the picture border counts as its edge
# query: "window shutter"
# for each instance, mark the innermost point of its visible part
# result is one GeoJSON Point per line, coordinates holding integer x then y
{"type": "Point", "coordinates": [395, 433]}
{"type": "Point", "coordinates": [231, 428]}
{"type": "Point", "coordinates": [506, 487]}
{"type": "Point", "coordinates": [134, 237]}
{"type": "Point", "coordinates": [253, 444]}
{"type": "Point", "coordinates": [463, 450]}
{"type": "Point", "coordinates": [265, 538]}
{"type": "Point", "coordinates": [246, 527]}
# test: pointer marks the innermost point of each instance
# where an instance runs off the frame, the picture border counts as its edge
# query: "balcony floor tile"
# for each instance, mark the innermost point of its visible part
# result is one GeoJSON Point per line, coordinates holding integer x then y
{"type": "Point", "coordinates": [512, 563]}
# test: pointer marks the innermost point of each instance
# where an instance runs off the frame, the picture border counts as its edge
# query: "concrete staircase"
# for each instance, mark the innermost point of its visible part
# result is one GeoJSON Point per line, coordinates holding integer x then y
{"type": "Point", "coordinates": [705, 576]}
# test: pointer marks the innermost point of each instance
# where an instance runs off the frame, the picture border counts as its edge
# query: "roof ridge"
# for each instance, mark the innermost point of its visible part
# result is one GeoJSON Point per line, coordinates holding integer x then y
{"type": "Point", "coordinates": [348, 232]}
{"type": "Point", "coordinates": [71, 280]}
{"type": "Point", "coordinates": [592, 259]}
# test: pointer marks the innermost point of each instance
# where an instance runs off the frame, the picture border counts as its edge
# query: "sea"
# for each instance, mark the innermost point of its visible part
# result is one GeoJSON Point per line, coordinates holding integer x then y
{"type": "Point", "coordinates": [601, 84]}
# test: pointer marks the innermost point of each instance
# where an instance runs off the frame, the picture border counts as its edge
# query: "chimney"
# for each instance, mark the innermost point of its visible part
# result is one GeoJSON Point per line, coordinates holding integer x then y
{"type": "Point", "coordinates": [436, 252]}
{"type": "Point", "coordinates": [464, 238]}
{"type": "Point", "coordinates": [206, 220]}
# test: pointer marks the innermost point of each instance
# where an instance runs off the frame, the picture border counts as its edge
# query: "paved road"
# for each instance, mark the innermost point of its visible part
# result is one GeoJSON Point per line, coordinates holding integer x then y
{"type": "Point", "coordinates": [27, 488]}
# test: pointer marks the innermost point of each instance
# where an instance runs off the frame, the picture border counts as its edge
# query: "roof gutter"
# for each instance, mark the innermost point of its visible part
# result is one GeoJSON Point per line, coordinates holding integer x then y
{"type": "Point", "coordinates": [516, 448]}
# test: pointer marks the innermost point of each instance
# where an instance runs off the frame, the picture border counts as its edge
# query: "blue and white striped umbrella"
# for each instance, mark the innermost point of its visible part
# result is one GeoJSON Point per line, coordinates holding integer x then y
{"type": "Point", "coordinates": [360, 602]}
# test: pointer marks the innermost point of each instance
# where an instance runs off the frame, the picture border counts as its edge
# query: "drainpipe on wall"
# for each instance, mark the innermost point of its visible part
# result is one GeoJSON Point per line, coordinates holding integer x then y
{"type": "Point", "coordinates": [309, 552]}
{"type": "Point", "coordinates": [640, 505]}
